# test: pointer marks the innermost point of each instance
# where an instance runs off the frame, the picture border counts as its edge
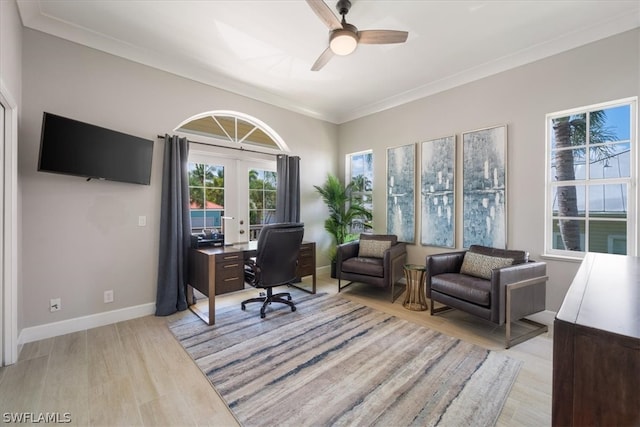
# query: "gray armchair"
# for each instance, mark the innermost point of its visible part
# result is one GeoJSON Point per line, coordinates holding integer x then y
{"type": "Point", "coordinates": [498, 285]}
{"type": "Point", "coordinates": [374, 259]}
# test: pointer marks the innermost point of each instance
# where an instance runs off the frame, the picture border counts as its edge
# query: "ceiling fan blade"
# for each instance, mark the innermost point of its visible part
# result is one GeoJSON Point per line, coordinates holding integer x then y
{"type": "Point", "coordinates": [324, 13]}
{"type": "Point", "coordinates": [382, 36]}
{"type": "Point", "coordinates": [322, 59]}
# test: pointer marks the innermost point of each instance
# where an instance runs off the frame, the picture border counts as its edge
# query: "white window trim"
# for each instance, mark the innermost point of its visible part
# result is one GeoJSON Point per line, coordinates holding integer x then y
{"type": "Point", "coordinates": [632, 181]}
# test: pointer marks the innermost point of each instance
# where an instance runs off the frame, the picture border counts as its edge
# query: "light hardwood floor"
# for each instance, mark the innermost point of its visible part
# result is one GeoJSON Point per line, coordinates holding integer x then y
{"type": "Point", "coordinates": [136, 373]}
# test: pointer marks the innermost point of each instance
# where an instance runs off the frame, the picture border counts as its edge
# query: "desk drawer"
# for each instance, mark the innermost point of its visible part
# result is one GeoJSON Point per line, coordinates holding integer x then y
{"type": "Point", "coordinates": [229, 273]}
{"type": "Point", "coordinates": [230, 258]}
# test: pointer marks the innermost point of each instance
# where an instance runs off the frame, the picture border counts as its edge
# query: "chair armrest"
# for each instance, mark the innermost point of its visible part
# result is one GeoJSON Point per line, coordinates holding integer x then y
{"type": "Point", "coordinates": [450, 262]}
{"type": "Point", "coordinates": [399, 249]}
{"type": "Point", "coordinates": [252, 271]}
{"type": "Point", "coordinates": [346, 251]}
{"type": "Point", "coordinates": [501, 277]}
{"type": "Point", "coordinates": [393, 261]}
{"type": "Point", "coordinates": [532, 271]}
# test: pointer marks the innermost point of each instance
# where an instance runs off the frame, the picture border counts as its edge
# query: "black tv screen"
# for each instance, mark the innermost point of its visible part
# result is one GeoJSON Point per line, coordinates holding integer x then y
{"type": "Point", "coordinates": [72, 147]}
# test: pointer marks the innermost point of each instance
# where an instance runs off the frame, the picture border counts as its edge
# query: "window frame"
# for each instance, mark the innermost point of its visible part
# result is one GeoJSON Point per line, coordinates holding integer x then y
{"type": "Point", "coordinates": [631, 182]}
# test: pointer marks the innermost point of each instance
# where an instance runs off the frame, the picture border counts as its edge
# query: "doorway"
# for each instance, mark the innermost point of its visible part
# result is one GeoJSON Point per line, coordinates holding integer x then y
{"type": "Point", "coordinates": [230, 195]}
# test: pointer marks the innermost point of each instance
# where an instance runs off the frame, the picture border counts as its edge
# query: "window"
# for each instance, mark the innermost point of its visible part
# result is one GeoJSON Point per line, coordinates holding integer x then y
{"type": "Point", "coordinates": [206, 196]}
{"type": "Point", "coordinates": [262, 200]}
{"type": "Point", "coordinates": [591, 180]}
{"type": "Point", "coordinates": [360, 173]}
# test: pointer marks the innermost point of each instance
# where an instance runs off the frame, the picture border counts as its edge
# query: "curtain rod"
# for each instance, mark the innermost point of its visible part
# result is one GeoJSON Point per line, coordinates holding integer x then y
{"type": "Point", "coordinates": [225, 147]}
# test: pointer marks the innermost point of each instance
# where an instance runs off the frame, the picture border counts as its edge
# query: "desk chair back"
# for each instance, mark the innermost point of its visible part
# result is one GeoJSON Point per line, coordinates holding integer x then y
{"type": "Point", "coordinates": [277, 253]}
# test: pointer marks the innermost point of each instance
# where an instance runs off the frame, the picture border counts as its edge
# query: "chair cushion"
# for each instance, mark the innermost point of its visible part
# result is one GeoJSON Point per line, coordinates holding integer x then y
{"type": "Point", "coordinates": [364, 266]}
{"type": "Point", "coordinates": [478, 265]}
{"type": "Point", "coordinates": [373, 248]}
{"type": "Point", "coordinates": [461, 286]}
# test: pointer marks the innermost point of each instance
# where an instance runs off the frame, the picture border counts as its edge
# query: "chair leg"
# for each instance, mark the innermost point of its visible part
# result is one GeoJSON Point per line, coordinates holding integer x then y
{"type": "Point", "coordinates": [539, 328]}
{"type": "Point", "coordinates": [395, 295]}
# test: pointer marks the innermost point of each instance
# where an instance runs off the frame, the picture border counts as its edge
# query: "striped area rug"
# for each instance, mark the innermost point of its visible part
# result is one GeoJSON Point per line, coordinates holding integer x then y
{"type": "Point", "coordinates": [335, 362]}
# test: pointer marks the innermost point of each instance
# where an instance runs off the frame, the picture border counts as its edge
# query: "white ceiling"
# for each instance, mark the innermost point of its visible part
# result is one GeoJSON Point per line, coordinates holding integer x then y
{"type": "Point", "coordinates": [264, 49]}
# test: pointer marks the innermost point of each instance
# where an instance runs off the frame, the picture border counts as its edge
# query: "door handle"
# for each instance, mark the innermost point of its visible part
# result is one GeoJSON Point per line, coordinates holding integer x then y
{"type": "Point", "coordinates": [241, 231]}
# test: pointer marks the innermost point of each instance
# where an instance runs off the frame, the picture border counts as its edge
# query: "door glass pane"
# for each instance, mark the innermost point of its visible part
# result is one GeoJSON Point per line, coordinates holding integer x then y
{"type": "Point", "coordinates": [262, 200]}
{"type": "Point", "coordinates": [256, 200]}
{"type": "Point", "coordinates": [206, 194]}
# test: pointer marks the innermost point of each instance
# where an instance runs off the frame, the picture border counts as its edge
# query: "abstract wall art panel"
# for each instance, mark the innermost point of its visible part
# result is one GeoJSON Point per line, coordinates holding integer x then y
{"type": "Point", "coordinates": [437, 192]}
{"type": "Point", "coordinates": [401, 180]}
{"type": "Point", "coordinates": [484, 187]}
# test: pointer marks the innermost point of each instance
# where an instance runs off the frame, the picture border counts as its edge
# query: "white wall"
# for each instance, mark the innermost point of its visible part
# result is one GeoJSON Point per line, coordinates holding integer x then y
{"type": "Point", "coordinates": [606, 70]}
{"type": "Point", "coordinates": [81, 238]}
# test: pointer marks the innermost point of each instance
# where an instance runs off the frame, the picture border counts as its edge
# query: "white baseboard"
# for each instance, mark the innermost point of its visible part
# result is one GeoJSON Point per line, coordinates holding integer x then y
{"type": "Point", "coordinates": [324, 270]}
{"type": "Point", "coordinates": [68, 326]}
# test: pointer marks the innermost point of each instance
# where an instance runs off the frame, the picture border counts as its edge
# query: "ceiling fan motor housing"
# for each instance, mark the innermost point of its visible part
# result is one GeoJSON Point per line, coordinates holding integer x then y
{"type": "Point", "coordinates": [343, 7]}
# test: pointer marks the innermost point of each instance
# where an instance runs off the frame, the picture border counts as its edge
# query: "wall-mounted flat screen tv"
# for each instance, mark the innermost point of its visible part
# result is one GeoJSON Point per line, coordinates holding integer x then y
{"type": "Point", "coordinates": [72, 147]}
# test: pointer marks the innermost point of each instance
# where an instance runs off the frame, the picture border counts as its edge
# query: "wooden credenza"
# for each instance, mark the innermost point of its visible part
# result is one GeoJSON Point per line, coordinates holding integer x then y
{"type": "Point", "coordinates": [220, 270]}
{"type": "Point", "coordinates": [596, 345]}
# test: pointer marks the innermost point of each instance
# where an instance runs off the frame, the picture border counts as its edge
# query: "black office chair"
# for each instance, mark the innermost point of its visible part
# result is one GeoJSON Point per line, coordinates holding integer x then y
{"type": "Point", "coordinates": [275, 263]}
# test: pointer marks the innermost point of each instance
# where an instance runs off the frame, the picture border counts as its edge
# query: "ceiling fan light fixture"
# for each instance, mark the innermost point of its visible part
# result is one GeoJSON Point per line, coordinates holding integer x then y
{"type": "Point", "coordinates": [343, 42]}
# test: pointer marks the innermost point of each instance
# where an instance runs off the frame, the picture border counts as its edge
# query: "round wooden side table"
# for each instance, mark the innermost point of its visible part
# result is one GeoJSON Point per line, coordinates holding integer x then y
{"type": "Point", "coordinates": [415, 297]}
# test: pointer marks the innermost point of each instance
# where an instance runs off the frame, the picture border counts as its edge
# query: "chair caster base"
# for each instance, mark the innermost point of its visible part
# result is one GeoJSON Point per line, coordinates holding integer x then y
{"type": "Point", "coordinates": [284, 298]}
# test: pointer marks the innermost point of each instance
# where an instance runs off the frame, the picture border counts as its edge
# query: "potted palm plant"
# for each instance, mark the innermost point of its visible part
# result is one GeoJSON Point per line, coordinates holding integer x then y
{"type": "Point", "coordinates": [343, 210]}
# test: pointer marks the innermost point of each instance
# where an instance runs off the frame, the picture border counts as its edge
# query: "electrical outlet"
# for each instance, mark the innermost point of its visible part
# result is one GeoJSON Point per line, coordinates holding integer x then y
{"type": "Point", "coordinates": [142, 221]}
{"type": "Point", "coordinates": [55, 304]}
{"type": "Point", "coordinates": [108, 296]}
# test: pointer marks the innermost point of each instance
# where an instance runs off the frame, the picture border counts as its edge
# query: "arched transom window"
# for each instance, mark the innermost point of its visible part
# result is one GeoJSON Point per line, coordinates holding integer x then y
{"type": "Point", "coordinates": [234, 129]}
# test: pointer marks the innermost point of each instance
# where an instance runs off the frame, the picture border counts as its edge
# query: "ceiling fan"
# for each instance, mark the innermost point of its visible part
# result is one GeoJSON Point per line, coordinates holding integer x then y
{"type": "Point", "coordinates": [344, 37]}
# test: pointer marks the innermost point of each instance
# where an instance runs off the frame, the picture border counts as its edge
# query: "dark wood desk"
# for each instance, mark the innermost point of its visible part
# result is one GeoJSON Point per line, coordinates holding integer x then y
{"type": "Point", "coordinates": [596, 345]}
{"type": "Point", "coordinates": [219, 270]}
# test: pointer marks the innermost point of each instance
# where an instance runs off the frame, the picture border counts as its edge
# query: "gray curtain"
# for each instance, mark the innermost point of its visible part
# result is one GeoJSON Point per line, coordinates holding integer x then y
{"type": "Point", "coordinates": [175, 228]}
{"type": "Point", "coordinates": [288, 194]}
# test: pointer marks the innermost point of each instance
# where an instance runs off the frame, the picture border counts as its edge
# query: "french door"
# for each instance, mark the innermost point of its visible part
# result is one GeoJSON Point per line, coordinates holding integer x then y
{"type": "Point", "coordinates": [228, 195]}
